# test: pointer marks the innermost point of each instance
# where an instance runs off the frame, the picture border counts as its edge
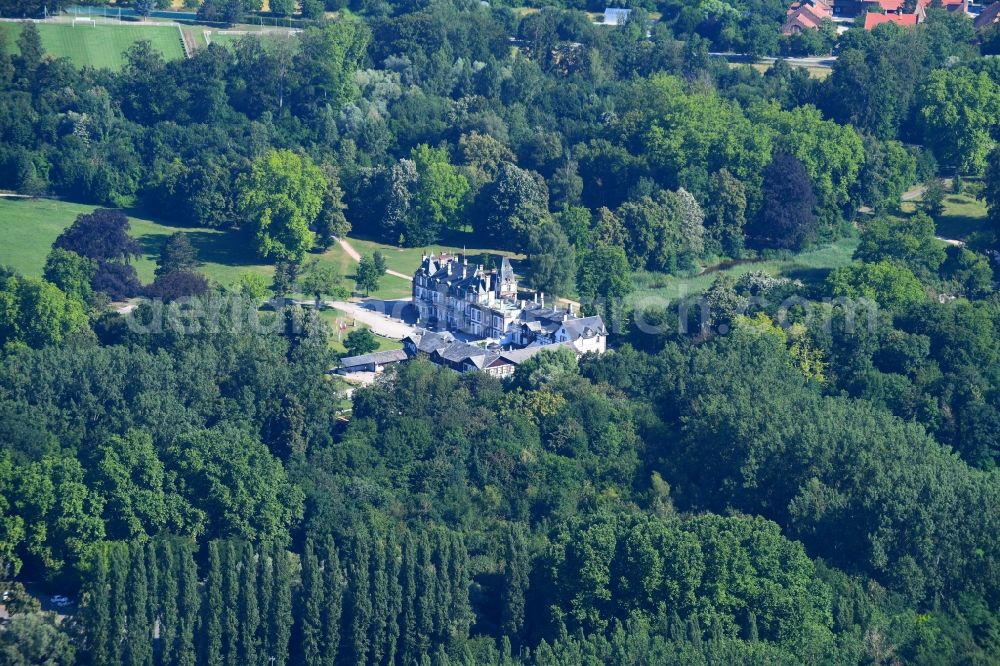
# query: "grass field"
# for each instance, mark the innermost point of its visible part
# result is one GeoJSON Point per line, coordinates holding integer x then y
{"type": "Point", "coordinates": [98, 46]}
{"type": "Point", "coordinates": [810, 267]}
{"type": "Point", "coordinates": [762, 67]}
{"type": "Point", "coordinates": [963, 215]}
{"type": "Point", "coordinates": [29, 227]}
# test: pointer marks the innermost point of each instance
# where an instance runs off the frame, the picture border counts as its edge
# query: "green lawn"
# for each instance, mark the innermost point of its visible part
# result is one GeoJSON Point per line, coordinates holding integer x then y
{"type": "Point", "coordinates": [811, 266]}
{"type": "Point", "coordinates": [963, 215]}
{"type": "Point", "coordinates": [101, 45]}
{"type": "Point", "coordinates": [29, 227]}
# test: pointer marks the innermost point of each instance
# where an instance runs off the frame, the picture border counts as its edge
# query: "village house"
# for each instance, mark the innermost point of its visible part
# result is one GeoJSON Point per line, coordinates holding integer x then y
{"type": "Point", "coordinates": [807, 15]}
{"type": "Point", "coordinates": [810, 14]}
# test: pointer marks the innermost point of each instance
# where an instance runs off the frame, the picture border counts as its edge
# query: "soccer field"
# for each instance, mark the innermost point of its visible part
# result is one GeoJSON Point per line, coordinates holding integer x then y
{"type": "Point", "coordinates": [101, 45]}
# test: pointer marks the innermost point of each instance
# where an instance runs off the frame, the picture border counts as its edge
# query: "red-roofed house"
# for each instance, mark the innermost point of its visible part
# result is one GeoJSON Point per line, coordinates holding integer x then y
{"type": "Point", "coordinates": [873, 20]}
{"type": "Point", "coordinates": [887, 6]}
{"type": "Point", "coordinates": [950, 5]}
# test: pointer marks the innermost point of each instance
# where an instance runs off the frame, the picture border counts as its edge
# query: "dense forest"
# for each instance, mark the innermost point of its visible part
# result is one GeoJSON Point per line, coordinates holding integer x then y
{"type": "Point", "coordinates": [779, 472]}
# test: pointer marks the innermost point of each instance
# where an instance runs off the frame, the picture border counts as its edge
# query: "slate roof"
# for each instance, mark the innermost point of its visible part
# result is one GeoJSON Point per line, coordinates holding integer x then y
{"type": "Point", "coordinates": [585, 327]}
{"type": "Point", "coordinates": [429, 342]}
{"type": "Point", "coordinates": [988, 16]}
{"type": "Point", "coordinates": [379, 358]}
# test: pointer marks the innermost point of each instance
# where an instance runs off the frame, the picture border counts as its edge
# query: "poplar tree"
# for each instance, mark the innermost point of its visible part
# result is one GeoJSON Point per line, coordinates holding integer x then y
{"type": "Point", "coordinates": [515, 582]}
{"type": "Point", "coordinates": [379, 577]}
{"type": "Point", "coordinates": [97, 610]}
{"type": "Point", "coordinates": [280, 619]}
{"type": "Point", "coordinates": [408, 585]}
{"type": "Point", "coordinates": [359, 592]}
{"type": "Point", "coordinates": [333, 592]}
{"type": "Point", "coordinates": [441, 557]}
{"type": "Point", "coordinates": [138, 650]}
{"type": "Point", "coordinates": [310, 615]}
{"type": "Point", "coordinates": [395, 597]}
{"type": "Point", "coordinates": [188, 603]}
{"type": "Point", "coordinates": [425, 594]}
{"type": "Point", "coordinates": [230, 604]}
{"type": "Point", "coordinates": [167, 564]}
{"type": "Point", "coordinates": [460, 581]}
{"type": "Point", "coordinates": [118, 568]}
{"type": "Point", "coordinates": [249, 611]}
{"type": "Point", "coordinates": [265, 601]}
{"type": "Point", "coordinates": [212, 615]}
{"type": "Point", "coordinates": [152, 593]}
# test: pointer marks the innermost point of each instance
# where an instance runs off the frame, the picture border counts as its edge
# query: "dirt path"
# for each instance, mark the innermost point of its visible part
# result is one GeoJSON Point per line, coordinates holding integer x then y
{"type": "Point", "coordinates": [356, 256]}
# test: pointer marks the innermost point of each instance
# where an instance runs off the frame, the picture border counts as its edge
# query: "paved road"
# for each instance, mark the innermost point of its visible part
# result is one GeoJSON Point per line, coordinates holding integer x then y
{"type": "Point", "coordinates": [825, 62]}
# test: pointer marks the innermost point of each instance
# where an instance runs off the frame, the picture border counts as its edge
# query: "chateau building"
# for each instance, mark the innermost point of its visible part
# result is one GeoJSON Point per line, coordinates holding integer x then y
{"type": "Point", "coordinates": [452, 296]}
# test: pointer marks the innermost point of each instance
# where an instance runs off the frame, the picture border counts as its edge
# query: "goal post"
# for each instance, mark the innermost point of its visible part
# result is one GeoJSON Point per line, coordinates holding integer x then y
{"type": "Point", "coordinates": [81, 19]}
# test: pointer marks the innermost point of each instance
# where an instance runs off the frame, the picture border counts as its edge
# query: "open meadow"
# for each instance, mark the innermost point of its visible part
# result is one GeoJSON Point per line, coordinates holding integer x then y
{"type": "Point", "coordinates": [30, 226]}
{"type": "Point", "coordinates": [810, 266]}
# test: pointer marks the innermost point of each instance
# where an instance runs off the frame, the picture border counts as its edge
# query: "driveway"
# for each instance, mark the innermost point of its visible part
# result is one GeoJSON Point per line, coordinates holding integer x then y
{"type": "Point", "coordinates": [373, 314]}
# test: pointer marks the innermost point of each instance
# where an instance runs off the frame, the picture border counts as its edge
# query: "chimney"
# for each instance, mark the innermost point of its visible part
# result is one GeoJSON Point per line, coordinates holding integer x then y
{"type": "Point", "coordinates": [543, 300]}
{"type": "Point", "coordinates": [535, 297]}
{"type": "Point", "coordinates": [465, 268]}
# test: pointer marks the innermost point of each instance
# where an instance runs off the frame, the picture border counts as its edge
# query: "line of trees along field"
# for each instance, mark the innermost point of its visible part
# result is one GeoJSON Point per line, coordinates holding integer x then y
{"type": "Point", "coordinates": [774, 484]}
